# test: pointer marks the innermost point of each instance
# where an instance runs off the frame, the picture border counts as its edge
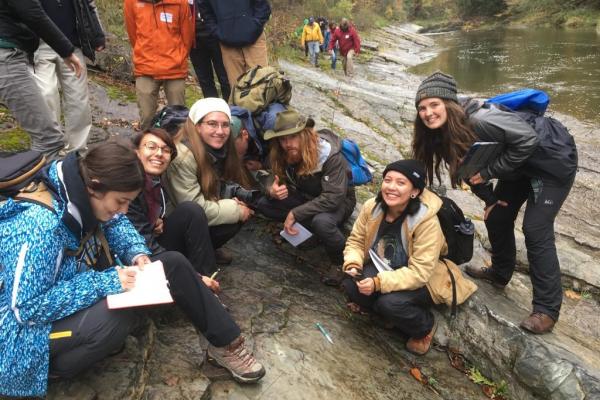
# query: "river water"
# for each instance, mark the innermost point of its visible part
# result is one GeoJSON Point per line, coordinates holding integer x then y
{"type": "Point", "coordinates": [565, 63]}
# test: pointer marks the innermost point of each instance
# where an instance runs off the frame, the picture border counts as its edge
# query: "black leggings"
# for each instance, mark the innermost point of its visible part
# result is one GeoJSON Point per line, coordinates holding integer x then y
{"type": "Point", "coordinates": [94, 333]}
{"type": "Point", "coordinates": [408, 310]}
{"type": "Point", "coordinates": [538, 228]}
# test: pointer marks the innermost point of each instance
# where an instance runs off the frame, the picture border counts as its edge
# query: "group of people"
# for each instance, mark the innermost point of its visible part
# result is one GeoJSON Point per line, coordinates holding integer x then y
{"type": "Point", "coordinates": [178, 197]}
{"type": "Point", "coordinates": [319, 35]}
{"type": "Point", "coordinates": [43, 44]}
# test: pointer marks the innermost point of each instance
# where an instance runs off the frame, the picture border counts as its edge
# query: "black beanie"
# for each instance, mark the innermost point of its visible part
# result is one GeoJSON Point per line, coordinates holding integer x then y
{"type": "Point", "coordinates": [439, 85]}
{"type": "Point", "coordinates": [412, 169]}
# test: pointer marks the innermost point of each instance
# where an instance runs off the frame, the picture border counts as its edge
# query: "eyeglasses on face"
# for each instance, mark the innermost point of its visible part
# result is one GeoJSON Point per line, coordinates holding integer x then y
{"type": "Point", "coordinates": [154, 148]}
{"type": "Point", "coordinates": [216, 125]}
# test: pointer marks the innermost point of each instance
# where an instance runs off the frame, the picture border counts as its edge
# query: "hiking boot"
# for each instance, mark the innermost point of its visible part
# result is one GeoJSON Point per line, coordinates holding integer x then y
{"type": "Point", "coordinates": [238, 360]}
{"type": "Point", "coordinates": [538, 323]}
{"type": "Point", "coordinates": [223, 257]}
{"type": "Point", "coordinates": [421, 346]}
{"type": "Point", "coordinates": [485, 273]}
{"type": "Point", "coordinates": [334, 276]}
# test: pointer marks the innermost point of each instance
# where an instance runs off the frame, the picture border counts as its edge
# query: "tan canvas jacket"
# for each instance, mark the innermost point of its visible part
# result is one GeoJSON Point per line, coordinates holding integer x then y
{"type": "Point", "coordinates": [424, 242]}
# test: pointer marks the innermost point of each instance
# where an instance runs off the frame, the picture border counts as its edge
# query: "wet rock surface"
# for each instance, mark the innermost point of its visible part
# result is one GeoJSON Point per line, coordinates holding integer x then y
{"type": "Point", "coordinates": [274, 292]}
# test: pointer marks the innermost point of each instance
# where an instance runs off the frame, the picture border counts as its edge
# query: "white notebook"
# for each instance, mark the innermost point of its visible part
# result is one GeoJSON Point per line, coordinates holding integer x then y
{"type": "Point", "coordinates": [295, 240]}
{"type": "Point", "coordinates": [150, 288]}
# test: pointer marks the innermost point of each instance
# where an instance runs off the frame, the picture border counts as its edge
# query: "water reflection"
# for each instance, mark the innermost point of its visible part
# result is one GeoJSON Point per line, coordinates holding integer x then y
{"type": "Point", "coordinates": [565, 63]}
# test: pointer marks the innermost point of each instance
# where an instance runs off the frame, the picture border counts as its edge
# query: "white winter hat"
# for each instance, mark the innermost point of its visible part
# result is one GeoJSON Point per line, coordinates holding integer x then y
{"type": "Point", "coordinates": [206, 106]}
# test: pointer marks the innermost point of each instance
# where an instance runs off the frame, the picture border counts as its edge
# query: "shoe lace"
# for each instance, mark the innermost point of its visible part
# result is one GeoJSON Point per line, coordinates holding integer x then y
{"type": "Point", "coordinates": [241, 353]}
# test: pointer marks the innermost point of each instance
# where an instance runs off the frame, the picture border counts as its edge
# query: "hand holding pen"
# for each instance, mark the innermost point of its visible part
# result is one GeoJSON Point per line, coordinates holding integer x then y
{"type": "Point", "coordinates": [126, 275]}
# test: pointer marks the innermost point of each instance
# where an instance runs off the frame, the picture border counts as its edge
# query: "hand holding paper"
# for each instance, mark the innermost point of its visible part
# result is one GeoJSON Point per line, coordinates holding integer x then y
{"type": "Point", "coordinates": [150, 288]}
{"type": "Point", "coordinates": [301, 235]}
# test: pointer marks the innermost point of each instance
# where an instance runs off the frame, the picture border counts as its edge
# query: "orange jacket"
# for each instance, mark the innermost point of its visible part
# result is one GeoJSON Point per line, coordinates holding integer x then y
{"type": "Point", "coordinates": [161, 33]}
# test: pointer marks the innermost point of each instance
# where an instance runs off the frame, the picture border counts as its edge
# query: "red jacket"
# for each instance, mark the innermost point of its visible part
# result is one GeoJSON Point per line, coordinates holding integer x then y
{"type": "Point", "coordinates": [161, 33]}
{"type": "Point", "coordinates": [348, 40]}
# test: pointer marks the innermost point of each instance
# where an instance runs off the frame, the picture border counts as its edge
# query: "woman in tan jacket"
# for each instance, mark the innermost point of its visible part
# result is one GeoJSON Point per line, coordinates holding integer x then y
{"type": "Point", "coordinates": [393, 256]}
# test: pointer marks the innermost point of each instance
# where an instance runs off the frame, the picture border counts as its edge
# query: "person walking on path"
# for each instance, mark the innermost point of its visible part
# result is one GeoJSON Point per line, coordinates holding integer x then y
{"type": "Point", "coordinates": [239, 25]}
{"type": "Point", "coordinates": [22, 24]}
{"type": "Point", "coordinates": [444, 130]}
{"type": "Point", "coordinates": [349, 44]}
{"type": "Point", "coordinates": [206, 55]}
{"type": "Point", "coordinates": [54, 77]}
{"type": "Point", "coordinates": [313, 38]}
{"type": "Point", "coordinates": [161, 33]}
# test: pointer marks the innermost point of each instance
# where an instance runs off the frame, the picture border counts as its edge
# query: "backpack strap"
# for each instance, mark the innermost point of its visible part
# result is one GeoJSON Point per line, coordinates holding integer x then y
{"type": "Point", "coordinates": [38, 193]}
{"type": "Point", "coordinates": [98, 233]}
{"type": "Point", "coordinates": [454, 307]}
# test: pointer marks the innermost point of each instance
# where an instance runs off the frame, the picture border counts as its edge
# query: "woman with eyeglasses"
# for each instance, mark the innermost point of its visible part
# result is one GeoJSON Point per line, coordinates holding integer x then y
{"type": "Point", "coordinates": [185, 228]}
{"type": "Point", "coordinates": [207, 163]}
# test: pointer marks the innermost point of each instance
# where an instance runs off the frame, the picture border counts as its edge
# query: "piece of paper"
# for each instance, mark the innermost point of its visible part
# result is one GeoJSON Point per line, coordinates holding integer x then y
{"type": "Point", "coordinates": [378, 262]}
{"type": "Point", "coordinates": [150, 288]}
{"type": "Point", "coordinates": [295, 240]}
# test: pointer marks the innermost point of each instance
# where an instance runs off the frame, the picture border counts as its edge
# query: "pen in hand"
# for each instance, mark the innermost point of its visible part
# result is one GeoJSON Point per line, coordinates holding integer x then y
{"type": "Point", "coordinates": [214, 275]}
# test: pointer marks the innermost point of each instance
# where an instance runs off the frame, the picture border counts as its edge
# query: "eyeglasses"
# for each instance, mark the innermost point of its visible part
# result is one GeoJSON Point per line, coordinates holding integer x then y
{"type": "Point", "coordinates": [154, 148]}
{"type": "Point", "coordinates": [215, 125]}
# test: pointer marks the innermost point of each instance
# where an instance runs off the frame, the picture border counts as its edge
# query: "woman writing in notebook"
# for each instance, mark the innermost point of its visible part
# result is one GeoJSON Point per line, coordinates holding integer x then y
{"type": "Point", "coordinates": [52, 319]}
{"type": "Point", "coordinates": [444, 130]}
{"type": "Point", "coordinates": [393, 256]}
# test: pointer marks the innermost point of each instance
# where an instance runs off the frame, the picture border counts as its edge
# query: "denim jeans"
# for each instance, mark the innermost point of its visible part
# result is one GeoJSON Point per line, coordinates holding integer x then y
{"type": "Point", "coordinates": [313, 52]}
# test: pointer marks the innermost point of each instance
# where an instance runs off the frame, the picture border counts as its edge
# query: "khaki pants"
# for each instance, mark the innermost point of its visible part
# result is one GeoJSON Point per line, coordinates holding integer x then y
{"type": "Point", "coordinates": [238, 60]}
{"type": "Point", "coordinates": [51, 74]}
{"type": "Point", "coordinates": [146, 90]}
{"type": "Point", "coordinates": [348, 63]}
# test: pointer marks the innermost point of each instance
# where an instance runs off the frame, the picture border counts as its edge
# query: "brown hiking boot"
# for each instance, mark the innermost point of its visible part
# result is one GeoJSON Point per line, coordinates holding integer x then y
{"type": "Point", "coordinates": [538, 323]}
{"type": "Point", "coordinates": [486, 274]}
{"type": "Point", "coordinates": [421, 346]}
{"type": "Point", "coordinates": [223, 257]}
{"type": "Point", "coordinates": [238, 360]}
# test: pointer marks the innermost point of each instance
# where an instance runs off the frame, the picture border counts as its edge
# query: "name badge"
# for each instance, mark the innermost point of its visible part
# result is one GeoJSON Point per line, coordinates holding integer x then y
{"type": "Point", "coordinates": [166, 17]}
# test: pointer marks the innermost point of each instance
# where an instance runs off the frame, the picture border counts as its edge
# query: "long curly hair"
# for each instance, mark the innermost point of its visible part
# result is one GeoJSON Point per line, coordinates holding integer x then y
{"type": "Point", "coordinates": [309, 147]}
{"type": "Point", "coordinates": [448, 143]}
{"type": "Point", "coordinates": [208, 178]}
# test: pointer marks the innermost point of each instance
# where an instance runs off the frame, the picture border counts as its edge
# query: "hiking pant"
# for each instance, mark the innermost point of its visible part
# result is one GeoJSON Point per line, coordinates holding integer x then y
{"type": "Point", "coordinates": [197, 301]}
{"type": "Point", "coordinates": [334, 57]}
{"type": "Point", "coordinates": [221, 234]}
{"type": "Point", "coordinates": [348, 63]}
{"type": "Point", "coordinates": [146, 90]}
{"type": "Point", "coordinates": [86, 337]}
{"type": "Point", "coordinates": [538, 228]}
{"type": "Point", "coordinates": [408, 310]}
{"type": "Point", "coordinates": [325, 226]}
{"type": "Point", "coordinates": [51, 73]}
{"type": "Point", "coordinates": [313, 51]}
{"type": "Point", "coordinates": [186, 231]}
{"type": "Point", "coordinates": [205, 56]}
{"type": "Point", "coordinates": [19, 92]}
{"type": "Point", "coordinates": [238, 60]}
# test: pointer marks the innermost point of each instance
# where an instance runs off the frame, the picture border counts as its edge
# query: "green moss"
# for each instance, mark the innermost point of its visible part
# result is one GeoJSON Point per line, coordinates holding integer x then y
{"type": "Point", "coordinates": [192, 94]}
{"type": "Point", "coordinates": [14, 140]}
{"type": "Point", "coordinates": [115, 90]}
{"type": "Point", "coordinates": [111, 14]}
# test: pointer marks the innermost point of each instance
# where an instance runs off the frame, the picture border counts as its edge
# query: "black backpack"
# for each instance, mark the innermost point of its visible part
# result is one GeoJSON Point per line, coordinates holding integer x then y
{"type": "Point", "coordinates": [458, 231]}
{"type": "Point", "coordinates": [18, 170]}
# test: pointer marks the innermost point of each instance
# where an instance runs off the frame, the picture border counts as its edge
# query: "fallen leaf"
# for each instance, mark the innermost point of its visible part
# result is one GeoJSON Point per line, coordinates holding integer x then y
{"type": "Point", "coordinates": [488, 391]}
{"type": "Point", "coordinates": [416, 373]}
{"type": "Point", "coordinates": [172, 381]}
{"type": "Point", "coordinates": [572, 294]}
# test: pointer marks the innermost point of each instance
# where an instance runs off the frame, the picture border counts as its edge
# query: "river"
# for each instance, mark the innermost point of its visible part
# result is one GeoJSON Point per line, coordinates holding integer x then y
{"type": "Point", "coordinates": [565, 63]}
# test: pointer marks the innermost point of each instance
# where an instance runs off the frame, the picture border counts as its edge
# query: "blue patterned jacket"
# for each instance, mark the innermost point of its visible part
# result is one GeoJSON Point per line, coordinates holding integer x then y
{"type": "Point", "coordinates": [40, 284]}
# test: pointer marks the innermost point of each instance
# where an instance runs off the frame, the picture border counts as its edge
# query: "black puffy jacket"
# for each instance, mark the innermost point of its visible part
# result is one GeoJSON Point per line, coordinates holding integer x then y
{"type": "Point", "coordinates": [237, 23]}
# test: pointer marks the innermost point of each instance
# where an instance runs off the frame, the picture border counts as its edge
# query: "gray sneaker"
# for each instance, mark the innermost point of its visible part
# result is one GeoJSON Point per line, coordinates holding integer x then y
{"type": "Point", "coordinates": [238, 360]}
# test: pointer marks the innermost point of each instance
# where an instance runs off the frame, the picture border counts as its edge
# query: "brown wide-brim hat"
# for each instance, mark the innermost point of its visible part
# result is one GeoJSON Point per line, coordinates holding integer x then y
{"type": "Point", "coordinates": [288, 122]}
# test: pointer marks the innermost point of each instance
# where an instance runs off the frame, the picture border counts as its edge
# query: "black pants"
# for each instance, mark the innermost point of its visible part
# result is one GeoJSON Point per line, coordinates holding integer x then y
{"type": "Point", "coordinates": [199, 304]}
{"type": "Point", "coordinates": [205, 56]}
{"type": "Point", "coordinates": [89, 336]}
{"type": "Point", "coordinates": [325, 226]}
{"type": "Point", "coordinates": [538, 228]}
{"type": "Point", "coordinates": [96, 331]}
{"type": "Point", "coordinates": [186, 231]}
{"type": "Point", "coordinates": [408, 310]}
{"type": "Point", "coordinates": [221, 234]}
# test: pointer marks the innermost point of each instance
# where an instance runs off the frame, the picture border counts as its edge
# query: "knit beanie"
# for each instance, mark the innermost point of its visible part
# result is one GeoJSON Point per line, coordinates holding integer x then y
{"type": "Point", "coordinates": [412, 169]}
{"type": "Point", "coordinates": [206, 106]}
{"type": "Point", "coordinates": [439, 85]}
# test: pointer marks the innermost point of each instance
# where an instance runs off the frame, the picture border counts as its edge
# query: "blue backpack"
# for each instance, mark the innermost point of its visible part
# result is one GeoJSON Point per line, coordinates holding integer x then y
{"type": "Point", "coordinates": [524, 99]}
{"type": "Point", "coordinates": [360, 170]}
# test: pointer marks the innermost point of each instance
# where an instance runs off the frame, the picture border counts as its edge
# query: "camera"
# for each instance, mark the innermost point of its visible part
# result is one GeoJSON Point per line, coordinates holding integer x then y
{"type": "Point", "coordinates": [229, 190]}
